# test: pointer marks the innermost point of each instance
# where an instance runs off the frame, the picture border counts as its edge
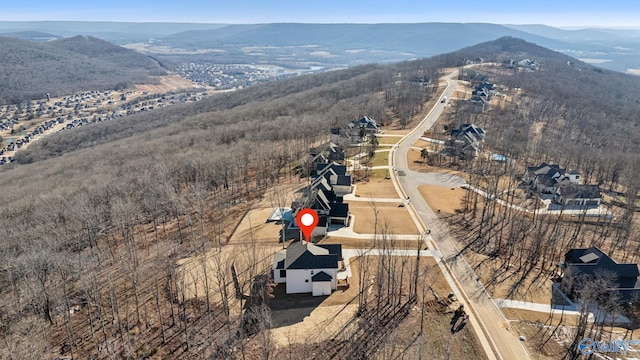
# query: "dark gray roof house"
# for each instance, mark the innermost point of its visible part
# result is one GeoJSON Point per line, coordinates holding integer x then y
{"type": "Point", "coordinates": [337, 169]}
{"type": "Point", "coordinates": [308, 268]}
{"type": "Point", "coordinates": [356, 128]}
{"type": "Point", "coordinates": [466, 141]}
{"type": "Point", "coordinates": [325, 203]}
{"type": "Point", "coordinates": [306, 255]}
{"type": "Point", "coordinates": [585, 264]}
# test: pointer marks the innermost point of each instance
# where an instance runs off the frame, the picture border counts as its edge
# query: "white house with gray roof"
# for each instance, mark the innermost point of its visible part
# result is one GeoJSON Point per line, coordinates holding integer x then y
{"type": "Point", "coordinates": [308, 268]}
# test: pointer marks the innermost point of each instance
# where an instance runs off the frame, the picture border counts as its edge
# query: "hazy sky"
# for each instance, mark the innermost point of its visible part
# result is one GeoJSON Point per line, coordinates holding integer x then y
{"type": "Point", "coordinates": [619, 13]}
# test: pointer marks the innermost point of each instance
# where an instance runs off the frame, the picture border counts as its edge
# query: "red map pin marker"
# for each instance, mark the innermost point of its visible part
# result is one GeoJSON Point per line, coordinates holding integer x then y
{"type": "Point", "coordinates": [307, 220]}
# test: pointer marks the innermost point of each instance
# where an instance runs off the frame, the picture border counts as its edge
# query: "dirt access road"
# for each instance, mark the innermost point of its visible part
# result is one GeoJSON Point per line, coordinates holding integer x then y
{"type": "Point", "coordinates": [500, 340]}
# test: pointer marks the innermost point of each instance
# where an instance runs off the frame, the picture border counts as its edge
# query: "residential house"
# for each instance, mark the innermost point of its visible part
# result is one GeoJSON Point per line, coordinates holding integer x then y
{"type": "Point", "coordinates": [583, 265]}
{"type": "Point", "coordinates": [570, 194]}
{"type": "Point", "coordinates": [572, 176]}
{"type": "Point", "coordinates": [359, 130]}
{"type": "Point", "coordinates": [308, 268]}
{"type": "Point", "coordinates": [565, 186]}
{"type": "Point", "coordinates": [335, 135]}
{"type": "Point", "coordinates": [465, 142]}
{"type": "Point", "coordinates": [528, 64]}
{"type": "Point", "coordinates": [325, 153]}
{"type": "Point", "coordinates": [337, 178]}
{"type": "Point", "coordinates": [478, 104]}
{"type": "Point", "coordinates": [330, 208]}
{"type": "Point", "coordinates": [481, 96]}
{"type": "Point", "coordinates": [543, 178]}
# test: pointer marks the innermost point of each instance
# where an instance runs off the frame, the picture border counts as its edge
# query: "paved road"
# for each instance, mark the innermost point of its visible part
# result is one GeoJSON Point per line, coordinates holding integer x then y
{"type": "Point", "coordinates": [495, 330]}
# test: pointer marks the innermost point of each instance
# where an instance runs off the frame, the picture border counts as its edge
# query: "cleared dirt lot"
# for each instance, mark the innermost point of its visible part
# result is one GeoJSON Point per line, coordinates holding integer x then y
{"type": "Point", "coordinates": [416, 164]}
{"type": "Point", "coordinates": [447, 199]}
{"type": "Point", "coordinates": [254, 226]}
{"type": "Point", "coordinates": [396, 218]}
{"type": "Point", "coordinates": [168, 83]}
{"type": "Point", "coordinates": [376, 188]}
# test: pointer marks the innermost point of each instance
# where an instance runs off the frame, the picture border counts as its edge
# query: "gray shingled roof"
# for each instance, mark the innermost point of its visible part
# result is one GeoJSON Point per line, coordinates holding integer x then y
{"type": "Point", "coordinates": [592, 260]}
{"type": "Point", "coordinates": [301, 255]}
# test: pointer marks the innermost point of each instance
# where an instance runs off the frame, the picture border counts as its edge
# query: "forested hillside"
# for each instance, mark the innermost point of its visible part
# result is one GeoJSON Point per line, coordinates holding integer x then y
{"type": "Point", "coordinates": [75, 221]}
{"type": "Point", "coordinates": [30, 70]}
{"type": "Point", "coordinates": [569, 112]}
{"type": "Point", "coordinates": [94, 221]}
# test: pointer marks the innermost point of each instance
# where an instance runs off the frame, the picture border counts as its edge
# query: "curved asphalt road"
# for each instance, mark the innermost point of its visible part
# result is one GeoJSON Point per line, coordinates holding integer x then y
{"type": "Point", "coordinates": [497, 332]}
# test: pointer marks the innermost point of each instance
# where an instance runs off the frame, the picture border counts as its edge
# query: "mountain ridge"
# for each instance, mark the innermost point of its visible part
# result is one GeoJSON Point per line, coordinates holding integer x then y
{"type": "Point", "coordinates": [60, 67]}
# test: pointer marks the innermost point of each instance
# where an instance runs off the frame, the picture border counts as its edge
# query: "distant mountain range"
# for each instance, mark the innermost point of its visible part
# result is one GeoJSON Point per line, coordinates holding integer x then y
{"type": "Point", "coordinates": [290, 45]}
{"type": "Point", "coordinates": [337, 45]}
{"type": "Point", "coordinates": [419, 39]}
{"type": "Point", "coordinates": [116, 32]}
{"type": "Point", "coordinates": [361, 43]}
{"type": "Point", "coordinates": [29, 70]}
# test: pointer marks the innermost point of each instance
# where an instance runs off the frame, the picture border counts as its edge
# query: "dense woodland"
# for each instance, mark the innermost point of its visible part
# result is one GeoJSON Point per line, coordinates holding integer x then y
{"type": "Point", "coordinates": [94, 221]}
{"type": "Point", "coordinates": [29, 70]}
{"type": "Point", "coordinates": [100, 216]}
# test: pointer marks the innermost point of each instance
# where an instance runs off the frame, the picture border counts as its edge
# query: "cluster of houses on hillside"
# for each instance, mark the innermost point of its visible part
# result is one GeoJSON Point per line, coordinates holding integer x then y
{"type": "Point", "coordinates": [306, 267]}
{"type": "Point", "coordinates": [565, 186]}
{"type": "Point", "coordinates": [329, 185]}
{"type": "Point", "coordinates": [526, 64]}
{"type": "Point", "coordinates": [481, 96]}
{"type": "Point", "coordinates": [466, 142]}
{"type": "Point", "coordinates": [355, 132]}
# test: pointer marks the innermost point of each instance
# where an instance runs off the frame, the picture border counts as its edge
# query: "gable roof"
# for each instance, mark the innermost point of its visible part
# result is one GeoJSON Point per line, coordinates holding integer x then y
{"type": "Point", "coordinates": [469, 130]}
{"type": "Point", "coordinates": [340, 180]}
{"type": "Point", "coordinates": [335, 169]}
{"type": "Point", "coordinates": [592, 260]}
{"type": "Point", "coordinates": [321, 277]}
{"type": "Point", "coordinates": [364, 122]}
{"type": "Point", "coordinates": [552, 171]}
{"type": "Point", "coordinates": [321, 183]}
{"type": "Point", "coordinates": [313, 198]}
{"type": "Point", "coordinates": [301, 255]}
{"type": "Point", "coordinates": [335, 249]}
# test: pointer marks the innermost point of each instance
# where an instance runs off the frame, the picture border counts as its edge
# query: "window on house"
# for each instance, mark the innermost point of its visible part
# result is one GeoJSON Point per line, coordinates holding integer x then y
{"type": "Point", "coordinates": [311, 272]}
{"type": "Point", "coordinates": [306, 280]}
{"type": "Point", "coordinates": [283, 273]}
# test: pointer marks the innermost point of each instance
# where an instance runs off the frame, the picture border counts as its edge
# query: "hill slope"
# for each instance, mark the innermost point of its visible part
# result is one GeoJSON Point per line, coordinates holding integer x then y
{"type": "Point", "coordinates": [423, 39]}
{"type": "Point", "coordinates": [29, 70]}
{"type": "Point", "coordinates": [161, 168]}
{"type": "Point", "coordinates": [116, 32]}
{"type": "Point", "coordinates": [568, 111]}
